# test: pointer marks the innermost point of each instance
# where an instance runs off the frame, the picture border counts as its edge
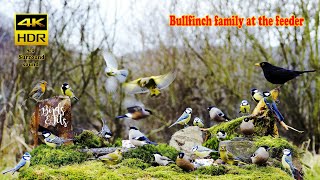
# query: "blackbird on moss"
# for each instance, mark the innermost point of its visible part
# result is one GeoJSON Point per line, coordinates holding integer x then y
{"type": "Point", "coordinates": [278, 75]}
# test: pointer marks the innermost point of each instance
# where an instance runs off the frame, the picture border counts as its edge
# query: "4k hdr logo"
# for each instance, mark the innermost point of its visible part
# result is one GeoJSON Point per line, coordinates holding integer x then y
{"type": "Point", "coordinates": [31, 29]}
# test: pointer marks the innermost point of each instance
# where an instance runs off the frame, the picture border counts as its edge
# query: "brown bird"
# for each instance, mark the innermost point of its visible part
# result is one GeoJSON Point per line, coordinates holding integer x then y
{"type": "Point", "coordinates": [136, 113]}
{"type": "Point", "coordinates": [38, 90]}
{"type": "Point", "coordinates": [261, 155]}
{"type": "Point", "coordinates": [278, 75]}
{"type": "Point", "coordinates": [247, 127]}
{"type": "Point", "coordinates": [184, 163]}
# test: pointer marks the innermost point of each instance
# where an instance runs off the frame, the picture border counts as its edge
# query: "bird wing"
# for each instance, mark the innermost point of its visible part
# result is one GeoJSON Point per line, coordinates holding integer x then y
{"type": "Point", "coordinates": [134, 109]}
{"type": "Point", "coordinates": [21, 163]}
{"type": "Point", "coordinates": [163, 81]}
{"type": "Point", "coordinates": [110, 60]}
{"type": "Point", "coordinates": [289, 161]}
{"type": "Point", "coordinates": [183, 117]}
{"type": "Point", "coordinates": [55, 140]}
{"type": "Point", "coordinates": [36, 89]}
{"type": "Point", "coordinates": [165, 158]}
{"type": "Point", "coordinates": [141, 138]}
{"type": "Point", "coordinates": [276, 111]}
{"type": "Point", "coordinates": [203, 149]}
{"type": "Point", "coordinates": [133, 87]}
{"type": "Point", "coordinates": [230, 156]}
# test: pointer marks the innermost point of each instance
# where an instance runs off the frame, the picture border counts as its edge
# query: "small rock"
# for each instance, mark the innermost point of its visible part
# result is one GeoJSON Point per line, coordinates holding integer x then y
{"type": "Point", "coordinates": [184, 139]}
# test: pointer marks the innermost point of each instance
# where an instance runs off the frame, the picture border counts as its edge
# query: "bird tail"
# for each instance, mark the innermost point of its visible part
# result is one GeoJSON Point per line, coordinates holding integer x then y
{"type": "Point", "coordinates": [10, 170]}
{"type": "Point", "coordinates": [277, 112]}
{"type": "Point", "coordinates": [226, 117]}
{"type": "Point", "coordinates": [122, 75]}
{"type": "Point", "coordinates": [172, 125]}
{"type": "Point", "coordinates": [77, 99]}
{"type": "Point", "coordinates": [155, 92]}
{"type": "Point", "coordinates": [301, 72]}
{"type": "Point", "coordinates": [150, 142]}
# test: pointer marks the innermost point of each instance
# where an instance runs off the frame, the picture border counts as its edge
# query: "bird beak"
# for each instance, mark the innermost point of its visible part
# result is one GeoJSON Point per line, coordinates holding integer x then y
{"type": "Point", "coordinates": [257, 64]}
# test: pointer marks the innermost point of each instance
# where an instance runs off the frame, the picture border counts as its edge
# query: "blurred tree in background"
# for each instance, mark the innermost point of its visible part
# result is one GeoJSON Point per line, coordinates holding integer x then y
{"type": "Point", "coordinates": [215, 64]}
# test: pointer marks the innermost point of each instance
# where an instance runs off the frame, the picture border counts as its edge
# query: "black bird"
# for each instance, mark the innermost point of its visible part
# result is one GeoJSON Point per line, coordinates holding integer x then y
{"type": "Point", "coordinates": [278, 75]}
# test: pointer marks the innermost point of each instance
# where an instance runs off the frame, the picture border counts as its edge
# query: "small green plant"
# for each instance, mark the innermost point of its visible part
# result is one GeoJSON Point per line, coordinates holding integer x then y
{"type": "Point", "coordinates": [134, 163]}
{"type": "Point", "coordinates": [90, 140]}
{"type": "Point", "coordinates": [211, 170]}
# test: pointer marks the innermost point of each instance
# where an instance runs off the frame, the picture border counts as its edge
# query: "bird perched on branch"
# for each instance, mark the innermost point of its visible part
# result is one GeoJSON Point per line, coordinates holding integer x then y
{"type": "Point", "coordinates": [272, 105]}
{"type": "Point", "coordinates": [217, 115]}
{"type": "Point", "coordinates": [53, 140]}
{"type": "Point", "coordinates": [113, 73]}
{"type": "Point", "coordinates": [112, 158]}
{"type": "Point", "coordinates": [38, 90]}
{"type": "Point", "coordinates": [261, 155]}
{"type": "Point", "coordinates": [247, 127]}
{"type": "Point", "coordinates": [136, 113]}
{"type": "Point", "coordinates": [184, 163]}
{"type": "Point", "coordinates": [105, 130]}
{"type": "Point", "coordinates": [278, 75]}
{"type": "Point", "coordinates": [227, 156]}
{"type": "Point", "coordinates": [161, 160]}
{"type": "Point", "coordinates": [221, 135]}
{"type": "Point", "coordinates": [67, 91]}
{"type": "Point", "coordinates": [23, 164]}
{"type": "Point", "coordinates": [244, 107]}
{"type": "Point", "coordinates": [184, 118]}
{"type": "Point", "coordinates": [201, 151]}
{"type": "Point", "coordinates": [256, 95]}
{"type": "Point", "coordinates": [152, 84]}
{"type": "Point", "coordinates": [137, 138]}
{"type": "Point", "coordinates": [198, 122]}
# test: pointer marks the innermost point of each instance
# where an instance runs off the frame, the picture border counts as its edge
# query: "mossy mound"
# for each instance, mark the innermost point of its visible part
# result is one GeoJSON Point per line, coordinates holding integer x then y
{"type": "Point", "coordinates": [134, 163]}
{"type": "Point", "coordinates": [277, 145]}
{"type": "Point", "coordinates": [99, 170]}
{"type": "Point", "coordinates": [59, 156]}
{"type": "Point", "coordinates": [145, 153]}
{"type": "Point", "coordinates": [89, 139]}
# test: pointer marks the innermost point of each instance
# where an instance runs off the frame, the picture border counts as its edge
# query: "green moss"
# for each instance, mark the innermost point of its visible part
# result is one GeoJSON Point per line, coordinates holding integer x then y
{"type": "Point", "coordinates": [229, 127]}
{"type": "Point", "coordinates": [145, 153]}
{"type": "Point", "coordinates": [134, 163]}
{"type": "Point", "coordinates": [57, 156]}
{"type": "Point", "coordinates": [211, 170]}
{"type": "Point", "coordinates": [277, 145]}
{"type": "Point", "coordinates": [90, 140]}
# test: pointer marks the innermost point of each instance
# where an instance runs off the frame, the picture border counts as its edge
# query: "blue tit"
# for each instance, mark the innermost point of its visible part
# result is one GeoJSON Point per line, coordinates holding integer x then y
{"type": "Point", "coordinates": [152, 84]}
{"type": "Point", "coordinates": [261, 155]}
{"type": "Point", "coordinates": [113, 74]}
{"type": "Point", "coordinates": [244, 107]}
{"type": "Point", "coordinates": [184, 163]}
{"type": "Point", "coordinates": [198, 122]}
{"type": "Point", "coordinates": [105, 130]}
{"type": "Point", "coordinates": [217, 115]}
{"type": "Point", "coordinates": [221, 135]}
{"type": "Point", "coordinates": [38, 90]}
{"type": "Point", "coordinates": [201, 151]}
{"type": "Point", "coordinates": [137, 138]}
{"type": "Point", "coordinates": [256, 95]}
{"type": "Point", "coordinates": [23, 164]}
{"type": "Point", "coordinates": [53, 140]}
{"type": "Point", "coordinates": [184, 118]}
{"type": "Point", "coordinates": [112, 158]}
{"type": "Point", "coordinates": [287, 161]}
{"type": "Point", "coordinates": [161, 160]}
{"type": "Point", "coordinates": [136, 113]}
{"type": "Point", "coordinates": [67, 91]}
{"type": "Point", "coordinates": [272, 105]}
{"type": "Point", "coordinates": [247, 127]}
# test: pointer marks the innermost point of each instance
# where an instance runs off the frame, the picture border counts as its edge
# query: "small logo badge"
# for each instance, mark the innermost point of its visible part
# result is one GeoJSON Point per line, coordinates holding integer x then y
{"type": "Point", "coordinates": [31, 29]}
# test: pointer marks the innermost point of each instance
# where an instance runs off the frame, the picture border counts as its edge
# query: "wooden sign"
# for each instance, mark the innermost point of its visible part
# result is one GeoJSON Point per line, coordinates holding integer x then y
{"type": "Point", "coordinates": [53, 114]}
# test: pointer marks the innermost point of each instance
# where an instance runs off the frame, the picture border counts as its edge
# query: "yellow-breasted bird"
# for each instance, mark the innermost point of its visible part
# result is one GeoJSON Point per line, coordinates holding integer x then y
{"type": "Point", "coordinates": [198, 122]}
{"type": "Point", "coordinates": [256, 95]}
{"type": "Point", "coordinates": [152, 84]}
{"type": "Point", "coordinates": [112, 158]}
{"type": "Point", "coordinates": [247, 127]}
{"type": "Point", "coordinates": [261, 155]}
{"type": "Point", "coordinates": [184, 163]}
{"type": "Point", "coordinates": [184, 118]}
{"type": "Point", "coordinates": [278, 75]}
{"type": "Point", "coordinates": [67, 91]}
{"type": "Point", "coordinates": [53, 140]}
{"type": "Point", "coordinates": [23, 164]}
{"type": "Point", "coordinates": [227, 156]}
{"type": "Point", "coordinates": [287, 161]}
{"type": "Point", "coordinates": [244, 107]}
{"type": "Point", "coordinates": [38, 90]}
